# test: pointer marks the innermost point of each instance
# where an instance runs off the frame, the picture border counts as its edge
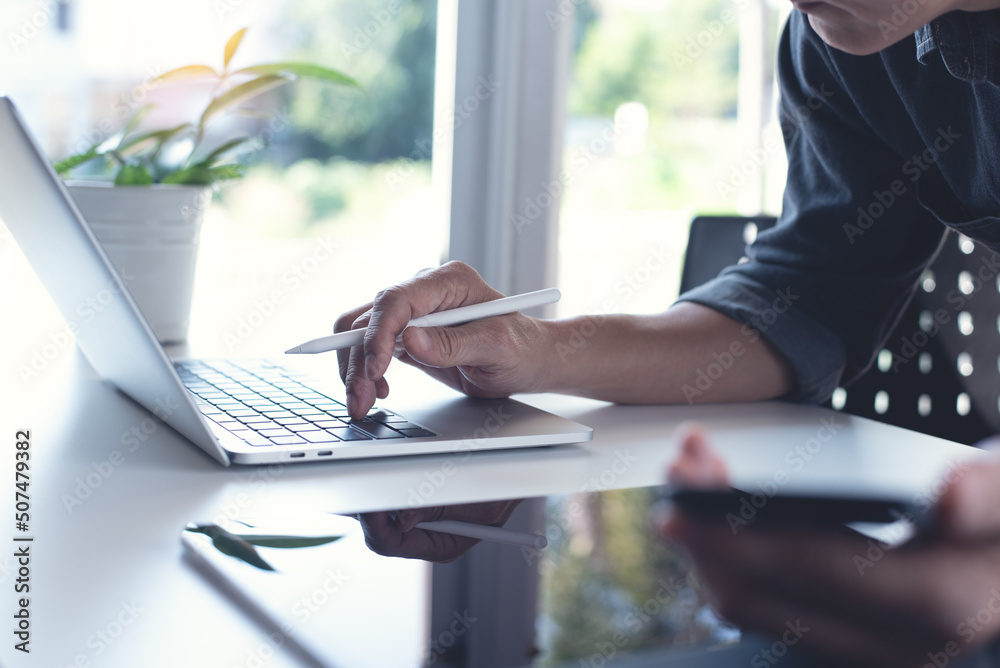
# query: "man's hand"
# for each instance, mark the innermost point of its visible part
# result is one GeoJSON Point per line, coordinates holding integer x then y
{"type": "Point", "coordinates": [643, 359]}
{"type": "Point", "coordinates": [849, 596]}
{"type": "Point", "coordinates": [494, 357]}
{"type": "Point", "coordinates": [394, 535]}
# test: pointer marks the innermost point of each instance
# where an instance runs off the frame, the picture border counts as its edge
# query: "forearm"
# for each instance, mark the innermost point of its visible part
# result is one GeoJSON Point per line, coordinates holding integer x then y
{"type": "Point", "coordinates": [688, 354]}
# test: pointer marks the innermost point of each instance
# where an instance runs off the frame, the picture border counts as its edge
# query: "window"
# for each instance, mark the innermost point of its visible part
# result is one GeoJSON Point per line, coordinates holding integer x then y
{"type": "Point", "coordinates": [337, 201]}
{"type": "Point", "coordinates": [669, 116]}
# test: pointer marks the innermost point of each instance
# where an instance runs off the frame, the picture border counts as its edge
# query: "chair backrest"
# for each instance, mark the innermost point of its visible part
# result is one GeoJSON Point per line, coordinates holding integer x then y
{"type": "Point", "coordinates": [939, 372]}
{"type": "Point", "coordinates": [715, 242]}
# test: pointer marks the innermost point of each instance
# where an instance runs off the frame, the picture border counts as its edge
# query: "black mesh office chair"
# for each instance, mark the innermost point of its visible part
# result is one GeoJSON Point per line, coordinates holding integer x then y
{"type": "Point", "coordinates": [950, 384]}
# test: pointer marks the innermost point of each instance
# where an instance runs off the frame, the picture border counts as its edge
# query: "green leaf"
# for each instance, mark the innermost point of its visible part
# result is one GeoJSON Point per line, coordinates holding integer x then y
{"type": "Point", "coordinates": [139, 142]}
{"type": "Point", "coordinates": [74, 161]}
{"type": "Point", "coordinates": [188, 176]}
{"type": "Point", "coordinates": [240, 94]}
{"type": "Point", "coordinates": [288, 542]}
{"type": "Point", "coordinates": [226, 172]}
{"type": "Point", "coordinates": [232, 45]}
{"type": "Point", "coordinates": [301, 70]}
{"type": "Point", "coordinates": [133, 175]}
{"type": "Point", "coordinates": [185, 74]}
{"type": "Point", "coordinates": [228, 146]}
{"type": "Point", "coordinates": [201, 175]}
{"type": "Point", "coordinates": [137, 145]}
{"type": "Point", "coordinates": [233, 545]}
{"type": "Point", "coordinates": [133, 122]}
{"type": "Point", "coordinates": [259, 114]}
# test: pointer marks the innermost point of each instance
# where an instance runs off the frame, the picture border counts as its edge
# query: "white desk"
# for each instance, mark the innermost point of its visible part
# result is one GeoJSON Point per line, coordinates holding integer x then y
{"type": "Point", "coordinates": [119, 547]}
{"type": "Point", "coordinates": [120, 544]}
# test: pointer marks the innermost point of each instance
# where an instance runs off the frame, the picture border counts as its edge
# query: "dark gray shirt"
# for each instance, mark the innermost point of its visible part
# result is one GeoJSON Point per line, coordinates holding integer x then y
{"type": "Point", "coordinates": [885, 152]}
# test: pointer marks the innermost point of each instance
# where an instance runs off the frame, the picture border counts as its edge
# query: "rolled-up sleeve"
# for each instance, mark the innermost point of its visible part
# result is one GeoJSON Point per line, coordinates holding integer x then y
{"type": "Point", "coordinates": [852, 239]}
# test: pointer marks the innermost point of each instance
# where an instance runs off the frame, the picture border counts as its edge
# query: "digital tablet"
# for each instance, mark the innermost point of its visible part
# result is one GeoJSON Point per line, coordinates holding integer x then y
{"type": "Point", "coordinates": [738, 508]}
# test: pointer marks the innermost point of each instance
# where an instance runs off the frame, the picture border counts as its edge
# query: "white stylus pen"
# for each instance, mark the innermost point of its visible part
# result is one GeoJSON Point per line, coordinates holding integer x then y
{"type": "Point", "coordinates": [482, 532]}
{"type": "Point", "coordinates": [455, 316]}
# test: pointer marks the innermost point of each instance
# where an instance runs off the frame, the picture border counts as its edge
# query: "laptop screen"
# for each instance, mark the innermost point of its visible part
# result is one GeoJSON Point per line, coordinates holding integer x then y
{"type": "Point", "coordinates": [84, 285]}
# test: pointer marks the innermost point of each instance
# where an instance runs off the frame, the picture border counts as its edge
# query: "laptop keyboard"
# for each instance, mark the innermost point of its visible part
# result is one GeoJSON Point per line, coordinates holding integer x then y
{"type": "Point", "coordinates": [266, 404]}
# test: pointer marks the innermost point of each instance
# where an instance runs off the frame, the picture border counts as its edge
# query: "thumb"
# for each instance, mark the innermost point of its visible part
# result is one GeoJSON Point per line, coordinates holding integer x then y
{"type": "Point", "coordinates": [443, 347]}
{"type": "Point", "coordinates": [969, 506]}
{"type": "Point", "coordinates": [696, 465]}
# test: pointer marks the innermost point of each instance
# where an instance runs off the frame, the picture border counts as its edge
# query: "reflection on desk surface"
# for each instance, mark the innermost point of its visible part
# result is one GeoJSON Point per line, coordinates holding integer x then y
{"type": "Point", "coordinates": [605, 588]}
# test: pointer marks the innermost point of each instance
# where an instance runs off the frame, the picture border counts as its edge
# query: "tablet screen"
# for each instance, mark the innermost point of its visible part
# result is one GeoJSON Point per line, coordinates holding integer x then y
{"type": "Point", "coordinates": [605, 587]}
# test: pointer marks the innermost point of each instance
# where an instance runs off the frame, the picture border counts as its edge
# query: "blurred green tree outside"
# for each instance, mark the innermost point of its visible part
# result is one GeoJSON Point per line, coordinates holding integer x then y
{"type": "Point", "coordinates": [333, 165]}
{"type": "Point", "coordinates": [677, 59]}
{"type": "Point", "coordinates": [610, 585]}
{"type": "Point", "coordinates": [680, 61]}
{"type": "Point", "coordinates": [387, 45]}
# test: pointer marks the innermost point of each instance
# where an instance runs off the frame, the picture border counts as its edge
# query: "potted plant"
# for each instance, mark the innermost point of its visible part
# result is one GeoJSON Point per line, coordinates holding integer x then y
{"type": "Point", "coordinates": [149, 216]}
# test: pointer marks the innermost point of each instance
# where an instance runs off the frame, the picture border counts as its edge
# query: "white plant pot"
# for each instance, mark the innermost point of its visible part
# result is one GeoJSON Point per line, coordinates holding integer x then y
{"type": "Point", "coordinates": [150, 233]}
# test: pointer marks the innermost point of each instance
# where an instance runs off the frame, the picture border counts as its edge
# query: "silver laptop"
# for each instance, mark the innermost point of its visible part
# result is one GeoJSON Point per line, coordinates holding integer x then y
{"type": "Point", "coordinates": [238, 411]}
